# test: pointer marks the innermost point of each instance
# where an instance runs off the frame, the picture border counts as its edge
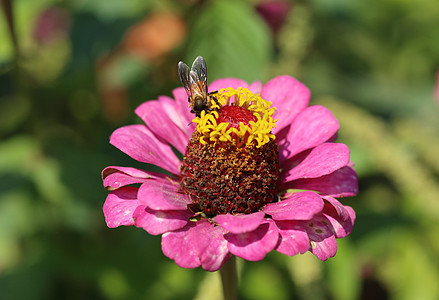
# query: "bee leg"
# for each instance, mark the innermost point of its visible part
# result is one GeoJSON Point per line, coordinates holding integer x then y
{"type": "Point", "coordinates": [215, 99]}
{"type": "Point", "coordinates": [209, 109]}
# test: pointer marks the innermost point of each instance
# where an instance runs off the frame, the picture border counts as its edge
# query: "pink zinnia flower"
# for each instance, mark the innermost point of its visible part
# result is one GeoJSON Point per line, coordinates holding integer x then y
{"type": "Point", "coordinates": [245, 187]}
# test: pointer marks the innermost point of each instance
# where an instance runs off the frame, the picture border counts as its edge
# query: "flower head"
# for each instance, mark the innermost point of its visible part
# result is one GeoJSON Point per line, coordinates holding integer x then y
{"type": "Point", "coordinates": [260, 172]}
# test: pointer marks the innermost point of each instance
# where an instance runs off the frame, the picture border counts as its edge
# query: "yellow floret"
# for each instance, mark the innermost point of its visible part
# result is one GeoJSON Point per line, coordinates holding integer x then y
{"type": "Point", "coordinates": [255, 134]}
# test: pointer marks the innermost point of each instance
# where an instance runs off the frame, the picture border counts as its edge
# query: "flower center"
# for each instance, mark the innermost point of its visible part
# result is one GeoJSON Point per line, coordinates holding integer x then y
{"type": "Point", "coordinates": [244, 119]}
{"type": "Point", "coordinates": [231, 164]}
{"type": "Point", "coordinates": [235, 115]}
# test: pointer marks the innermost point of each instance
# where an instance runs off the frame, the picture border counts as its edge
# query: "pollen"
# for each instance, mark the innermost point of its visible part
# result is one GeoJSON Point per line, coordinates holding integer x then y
{"type": "Point", "coordinates": [242, 118]}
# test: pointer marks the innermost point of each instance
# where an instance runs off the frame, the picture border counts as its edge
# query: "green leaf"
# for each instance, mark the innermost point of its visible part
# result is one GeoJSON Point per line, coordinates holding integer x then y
{"type": "Point", "coordinates": [232, 39]}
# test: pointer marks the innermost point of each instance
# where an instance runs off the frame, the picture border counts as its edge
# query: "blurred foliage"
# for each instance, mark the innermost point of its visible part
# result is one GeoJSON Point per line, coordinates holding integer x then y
{"type": "Point", "coordinates": [81, 67]}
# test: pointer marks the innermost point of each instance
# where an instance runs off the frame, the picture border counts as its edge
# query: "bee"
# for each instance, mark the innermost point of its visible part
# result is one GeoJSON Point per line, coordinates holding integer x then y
{"type": "Point", "coordinates": [195, 83]}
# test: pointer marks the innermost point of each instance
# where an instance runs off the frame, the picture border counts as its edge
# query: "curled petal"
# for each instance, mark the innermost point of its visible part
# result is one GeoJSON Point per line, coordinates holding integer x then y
{"type": "Point", "coordinates": [313, 126]}
{"type": "Point", "coordinates": [340, 183]}
{"type": "Point", "coordinates": [240, 223]}
{"type": "Point", "coordinates": [321, 235]}
{"type": "Point", "coordinates": [299, 206]}
{"type": "Point", "coordinates": [322, 160]}
{"type": "Point", "coordinates": [141, 144]}
{"type": "Point", "coordinates": [339, 211]}
{"type": "Point", "coordinates": [324, 248]}
{"type": "Point", "coordinates": [159, 121]}
{"type": "Point", "coordinates": [120, 206]}
{"type": "Point", "coordinates": [293, 239]}
{"type": "Point", "coordinates": [116, 177]}
{"type": "Point", "coordinates": [198, 243]}
{"type": "Point", "coordinates": [162, 195]}
{"type": "Point", "coordinates": [289, 96]}
{"type": "Point", "coordinates": [256, 244]}
{"type": "Point", "coordinates": [157, 222]}
{"type": "Point", "coordinates": [342, 217]}
{"type": "Point", "coordinates": [341, 228]}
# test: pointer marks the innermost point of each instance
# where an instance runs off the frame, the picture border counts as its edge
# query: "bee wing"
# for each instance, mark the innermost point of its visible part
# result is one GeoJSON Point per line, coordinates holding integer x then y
{"type": "Point", "coordinates": [198, 73]}
{"type": "Point", "coordinates": [185, 78]}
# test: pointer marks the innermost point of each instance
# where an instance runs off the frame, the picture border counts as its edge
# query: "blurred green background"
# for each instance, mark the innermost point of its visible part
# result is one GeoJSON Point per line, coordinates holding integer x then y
{"type": "Point", "coordinates": [75, 70]}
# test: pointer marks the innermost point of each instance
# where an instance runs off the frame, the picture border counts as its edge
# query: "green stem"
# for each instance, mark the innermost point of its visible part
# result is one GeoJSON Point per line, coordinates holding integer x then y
{"type": "Point", "coordinates": [8, 10]}
{"type": "Point", "coordinates": [9, 16]}
{"type": "Point", "coordinates": [229, 279]}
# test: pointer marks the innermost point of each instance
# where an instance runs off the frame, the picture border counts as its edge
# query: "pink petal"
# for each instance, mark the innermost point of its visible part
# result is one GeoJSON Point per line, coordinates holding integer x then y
{"type": "Point", "coordinates": [218, 84]}
{"type": "Point", "coordinates": [313, 126]}
{"type": "Point", "coordinates": [216, 253]}
{"type": "Point", "coordinates": [289, 96]}
{"type": "Point", "coordinates": [341, 183]}
{"type": "Point", "coordinates": [140, 143]}
{"type": "Point", "coordinates": [181, 98]}
{"type": "Point", "coordinates": [182, 246]}
{"type": "Point", "coordinates": [116, 177]}
{"type": "Point", "coordinates": [334, 208]}
{"type": "Point", "coordinates": [299, 206]}
{"type": "Point", "coordinates": [240, 223]}
{"type": "Point", "coordinates": [341, 228]}
{"type": "Point", "coordinates": [352, 215]}
{"type": "Point", "coordinates": [341, 217]}
{"type": "Point", "coordinates": [160, 123]}
{"type": "Point", "coordinates": [254, 245]}
{"type": "Point", "coordinates": [174, 110]}
{"type": "Point", "coordinates": [120, 206]}
{"type": "Point", "coordinates": [321, 235]}
{"type": "Point", "coordinates": [162, 195]}
{"type": "Point", "coordinates": [198, 243]}
{"type": "Point", "coordinates": [255, 87]}
{"type": "Point", "coordinates": [324, 248]}
{"type": "Point", "coordinates": [293, 238]}
{"type": "Point", "coordinates": [158, 222]}
{"type": "Point", "coordinates": [322, 160]}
